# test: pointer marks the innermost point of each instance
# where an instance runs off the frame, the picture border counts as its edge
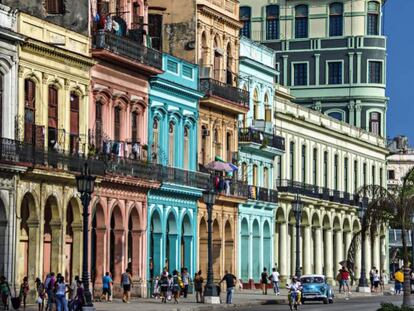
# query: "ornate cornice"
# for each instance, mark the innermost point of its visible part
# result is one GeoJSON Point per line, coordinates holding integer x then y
{"type": "Point", "coordinates": [218, 16]}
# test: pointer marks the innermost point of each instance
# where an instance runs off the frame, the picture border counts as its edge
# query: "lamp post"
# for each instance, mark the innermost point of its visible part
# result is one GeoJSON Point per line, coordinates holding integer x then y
{"type": "Point", "coordinates": [210, 293]}
{"type": "Point", "coordinates": [363, 282]}
{"type": "Point", "coordinates": [297, 206]}
{"type": "Point", "coordinates": [85, 184]}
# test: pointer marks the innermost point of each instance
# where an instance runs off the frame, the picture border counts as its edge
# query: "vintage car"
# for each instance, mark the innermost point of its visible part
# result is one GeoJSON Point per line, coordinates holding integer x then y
{"type": "Point", "coordinates": [315, 288]}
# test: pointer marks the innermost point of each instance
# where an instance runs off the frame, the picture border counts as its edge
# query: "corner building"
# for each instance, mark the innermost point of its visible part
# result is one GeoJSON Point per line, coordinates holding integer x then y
{"type": "Point", "coordinates": [331, 54]}
{"type": "Point", "coordinates": [325, 163]}
{"type": "Point", "coordinates": [207, 33]}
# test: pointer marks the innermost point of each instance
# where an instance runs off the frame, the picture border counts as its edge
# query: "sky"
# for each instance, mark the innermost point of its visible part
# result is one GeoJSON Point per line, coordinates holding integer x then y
{"type": "Point", "coordinates": [399, 28]}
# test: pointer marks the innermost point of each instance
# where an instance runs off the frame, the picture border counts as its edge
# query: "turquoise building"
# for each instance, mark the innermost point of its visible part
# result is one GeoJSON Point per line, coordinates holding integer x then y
{"type": "Point", "coordinates": [259, 151]}
{"type": "Point", "coordinates": [172, 142]}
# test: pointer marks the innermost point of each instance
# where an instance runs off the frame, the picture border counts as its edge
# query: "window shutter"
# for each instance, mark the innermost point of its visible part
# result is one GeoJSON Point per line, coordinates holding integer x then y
{"type": "Point", "coordinates": [74, 114]}
{"type": "Point", "coordinates": [53, 107]}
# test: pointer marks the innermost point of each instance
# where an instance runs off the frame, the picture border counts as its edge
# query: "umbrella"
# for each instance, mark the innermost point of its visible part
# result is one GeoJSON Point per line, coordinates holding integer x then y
{"type": "Point", "coordinates": [219, 166]}
{"type": "Point", "coordinates": [234, 167]}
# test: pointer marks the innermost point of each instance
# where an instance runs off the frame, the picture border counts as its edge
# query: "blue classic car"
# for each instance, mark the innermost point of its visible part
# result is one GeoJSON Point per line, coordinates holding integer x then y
{"type": "Point", "coordinates": [315, 288]}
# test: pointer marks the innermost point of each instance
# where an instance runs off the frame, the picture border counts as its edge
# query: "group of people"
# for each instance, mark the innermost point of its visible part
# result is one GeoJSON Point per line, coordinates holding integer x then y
{"type": "Point", "coordinates": [171, 286]}
{"type": "Point", "coordinates": [273, 278]}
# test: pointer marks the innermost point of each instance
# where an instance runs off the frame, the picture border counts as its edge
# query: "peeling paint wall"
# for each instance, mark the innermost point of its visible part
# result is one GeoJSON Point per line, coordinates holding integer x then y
{"type": "Point", "coordinates": [75, 17]}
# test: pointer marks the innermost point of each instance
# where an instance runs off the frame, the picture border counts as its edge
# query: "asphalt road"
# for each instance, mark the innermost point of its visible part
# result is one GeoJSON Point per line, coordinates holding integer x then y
{"type": "Point", "coordinates": [353, 304]}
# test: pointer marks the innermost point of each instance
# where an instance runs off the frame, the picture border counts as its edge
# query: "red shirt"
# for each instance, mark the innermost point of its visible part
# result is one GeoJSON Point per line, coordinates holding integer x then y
{"type": "Point", "coordinates": [345, 275]}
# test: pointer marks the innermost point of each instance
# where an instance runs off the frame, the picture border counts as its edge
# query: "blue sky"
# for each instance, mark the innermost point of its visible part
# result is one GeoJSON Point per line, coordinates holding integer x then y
{"type": "Point", "coordinates": [399, 25]}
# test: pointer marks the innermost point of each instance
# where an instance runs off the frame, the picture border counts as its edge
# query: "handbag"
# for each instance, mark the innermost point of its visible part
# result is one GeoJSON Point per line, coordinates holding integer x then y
{"type": "Point", "coordinates": [39, 300]}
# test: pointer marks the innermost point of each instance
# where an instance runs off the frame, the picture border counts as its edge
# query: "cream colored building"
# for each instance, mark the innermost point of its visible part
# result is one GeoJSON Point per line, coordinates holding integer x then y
{"type": "Point", "coordinates": [326, 162]}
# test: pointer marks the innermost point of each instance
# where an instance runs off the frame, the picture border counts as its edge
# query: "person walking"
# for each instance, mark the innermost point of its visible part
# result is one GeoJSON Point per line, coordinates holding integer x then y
{"type": "Point", "coordinates": [24, 290]}
{"type": "Point", "coordinates": [106, 287]}
{"type": "Point", "coordinates": [4, 292]}
{"type": "Point", "coordinates": [371, 277]}
{"type": "Point", "coordinates": [40, 289]}
{"type": "Point", "coordinates": [230, 280]}
{"type": "Point", "coordinates": [399, 280]}
{"type": "Point", "coordinates": [49, 287]}
{"type": "Point", "coordinates": [274, 277]}
{"type": "Point", "coordinates": [126, 283]}
{"type": "Point", "coordinates": [376, 280]}
{"type": "Point", "coordinates": [176, 286]}
{"type": "Point", "coordinates": [80, 296]}
{"type": "Point", "coordinates": [186, 281]}
{"type": "Point", "coordinates": [73, 288]}
{"type": "Point", "coordinates": [198, 287]}
{"type": "Point", "coordinates": [61, 288]}
{"type": "Point", "coordinates": [164, 285]}
{"type": "Point", "coordinates": [264, 280]}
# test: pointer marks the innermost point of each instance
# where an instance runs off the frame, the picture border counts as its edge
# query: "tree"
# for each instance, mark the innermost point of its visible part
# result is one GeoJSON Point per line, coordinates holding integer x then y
{"type": "Point", "coordinates": [388, 207]}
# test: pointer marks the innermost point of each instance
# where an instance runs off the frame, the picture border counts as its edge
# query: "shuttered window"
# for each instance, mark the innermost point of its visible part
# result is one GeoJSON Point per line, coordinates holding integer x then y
{"type": "Point", "coordinates": [54, 7]}
{"type": "Point", "coordinates": [52, 116]}
{"type": "Point", "coordinates": [134, 122]}
{"type": "Point", "coordinates": [74, 122]}
{"type": "Point", "coordinates": [29, 109]}
{"type": "Point", "coordinates": [117, 123]}
{"type": "Point", "coordinates": [98, 125]}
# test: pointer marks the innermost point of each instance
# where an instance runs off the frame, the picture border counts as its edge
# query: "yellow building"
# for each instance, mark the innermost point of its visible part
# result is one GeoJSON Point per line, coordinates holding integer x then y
{"type": "Point", "coordinates": [52, 123]}
{"type": "Point", "coordinates": [206, 32]}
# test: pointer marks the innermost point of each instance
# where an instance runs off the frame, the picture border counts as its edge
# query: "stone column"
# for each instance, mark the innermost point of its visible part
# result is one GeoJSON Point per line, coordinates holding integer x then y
{"type": "Point", "coordinates": [339, 247]}
{"type": "Point", "coordinates": [318, 250]}
{"type": "Point", "coordinates": [348, 240]}
{"type": "Point", "coordinates": [250, 272]}
{"type": "Point", "coordinates": [118, 266]}
{"type": "Point", "coordinates": [376, 254]}
{"type": "Point", "coordinates": [329, 255]}
{"type": "Point", "coordinates": [77, 243]}
{"type": "Point", "coordinates": [188, 253]}
{"type": "Point", "coordinates": [135, 262]}
{"type": "Point", "coordinates": [368, 262]}
{"type": "Point", "coordinates": [172, 256]}
{"type": "Point", "coordinates": [293, 250]}
{"type": "Point", "coordinates": [157, 253]}
{"type": "Point", "coordinates": [307, 250]}
{"type": "Point", "coordinates": [33, 245]}
{"type": "Point", "coordinates": [358, 264]}
{"type": "Point", "coordinates": [384, 254]}
{"type": "Point", "coordinates": [283, 252]}
{"type": "Point", "coordinates": [56, 247]}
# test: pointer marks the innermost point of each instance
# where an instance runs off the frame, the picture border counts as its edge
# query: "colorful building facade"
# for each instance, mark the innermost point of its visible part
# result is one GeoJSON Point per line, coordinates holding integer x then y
{"type": "Point", "coordinates": [172, 130]}
{"type": "Point", "coordinates": [258, 149]}
{"type": "Point", "coordinates": [118, 119]}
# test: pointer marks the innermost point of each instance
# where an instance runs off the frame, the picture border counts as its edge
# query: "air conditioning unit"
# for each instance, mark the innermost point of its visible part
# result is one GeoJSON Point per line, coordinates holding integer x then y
{"type": "Point", "coordinates": [205, 132]}
{"type": "Point", "coordinates": [204, 72]}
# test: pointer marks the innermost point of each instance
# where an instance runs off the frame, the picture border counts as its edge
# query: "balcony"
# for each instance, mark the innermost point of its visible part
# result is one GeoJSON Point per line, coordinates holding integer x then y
{"type": "Point", "coordinates": [263, 194]}
{"type": "Point", "coordinates": [124, 51]}
{"type": "Point", "coordinates": [237, 98]}
{"type": "Point", "coordinates": [253, 140]}
{"type": "Point", "coordinates": [312, 191]}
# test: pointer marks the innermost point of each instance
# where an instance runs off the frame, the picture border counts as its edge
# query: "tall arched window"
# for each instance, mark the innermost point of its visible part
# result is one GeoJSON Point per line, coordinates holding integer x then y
{"type": "Point", "coordinates": [229, 138]}
{"type": "Point", "coordinates": [74, 123]}
{"type": "Point", "coordinates": [29, 110]}
{"type": "Point", "coordinates": [356, 177]}
{"type": "Point", "coordinates": [255, 177]}
{"type": "Point", "coordinates": [265, 177]}
{"type": "Point", "coordinates": [336, 171]}
{"type": "Point", "coordinates": [171, 143]}
{"type": "Point", "coordinates": [244, 171]}
{"type": "Point", "coordinates": [268, 109]}
{"type": "Point", "coordinates": [325, 169]}
{"type": "Point", "coordinates": [186, 147]}
{"type": "Point", "coordinates": [301, 21]}
{"type": "Point", "coordinates": [373, 18]}
{"type": "Point", "coordinates": [346, 169]}
{"type": "Point", "coordinates": [336, 19]}
{"type": "Point", "coordinates": [255, 105]}
{"type": "Point", "coordinates": [315, 167]}
{"type": "Point", "coordinates": [52, 116]}
{"type": "Point", "coordinates": [204, 134]}
{"type": "Point", "coordinates": [217, 142]}
{"type": "Point", "coordinates": [117, 123]}
{"type": "Point", "coordinates": [375, 123]}
{"type": "Point", "coordinates": [272, 22]}
{"type": "Point", "coordinates": [229, 65]}
{"type": "Point", "coordinates": [134, 126]}
{"type": "Point", "coordinates": [54, 6]}
{"type": "Point", "coordinates": [204, 50]}
{"type": "Point", "coordinates": [98, 125]}
{"type": "Point", "coordinates": [155, 141]}
{"type": "Point", "coordinates": [245, 16]}
{"type": "Point", "coordinates": [217, 59]}
{"type": "Point", "coordinates": [292, 160]}
{"type": "Point", "coordinates": [303, 156]}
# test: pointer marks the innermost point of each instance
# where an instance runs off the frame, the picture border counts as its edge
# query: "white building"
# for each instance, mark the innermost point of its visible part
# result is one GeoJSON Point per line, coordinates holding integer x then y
{"type": "Point", "coordinates": [9, 41]}
{"type": "Point", "coordinates": [400, 161]}
{"type": "Point", "coordinates": [326, 162]}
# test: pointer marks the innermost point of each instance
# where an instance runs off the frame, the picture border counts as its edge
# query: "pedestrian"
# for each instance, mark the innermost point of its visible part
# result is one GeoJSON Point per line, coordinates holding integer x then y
{"type": "Point", "coordinates": [49, 287]}
{"type": "Point", "coordinates": [40, 289]}
{"type": "Point", "coordinates": [176, 286]}
{"type": "Point", "coordinates": [264, 278]}
{"type": "Point", "coordinates": [106, 287]}
{"type": "Point", "coordinates": [274, 277]}
{"type": "Point", "coordinates": [24, 290]}
{"type": "Point", "coordinates": [74, 287]}
{"type": "Point", "coordinates": [371, 277]}
{"type": "Point", "coordinates": [126, 283]}
{"type": "Point", "coordinates": [383, 279]}
{"type": "Point", "coordinates": [4, 292]}
{"type": "Point", "coordinates": [399, 280]}
{"type": "Point", "coordinates": [80, 296]}
{"type": "Point", "coordinates": [164, 286]}
{"type": "Point", "coordinates": [198, 287]}
{"type": "Point", "coordinates": [345, 279]}
{"type": "Point", "coordinates": [61, 288]}
{"type": "Point", "coordinates": [376, 280]}
{"type": "Point", "coordinates": [230, 282]}
{"type": "Point", "coordinates": [186, 281]}
{"type": "Point", "coordinates": [156, 290]}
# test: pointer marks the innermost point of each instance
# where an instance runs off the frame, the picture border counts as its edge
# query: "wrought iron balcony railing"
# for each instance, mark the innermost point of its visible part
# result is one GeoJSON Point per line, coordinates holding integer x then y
{"type": "Point", "coordinates": [127, 47]}
{"type": "Point", "coordinates": [263, 194]}
{"type": "Point", "coordinates": [265, 139]}
{"type": "Point", "coordinates": [286, 185]}
{"type": "Point", "coordinates": [211, 87]}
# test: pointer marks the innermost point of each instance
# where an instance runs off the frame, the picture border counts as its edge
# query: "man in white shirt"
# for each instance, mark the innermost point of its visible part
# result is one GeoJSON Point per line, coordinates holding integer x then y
{"type": "Point", "coordinates": [275, 280]}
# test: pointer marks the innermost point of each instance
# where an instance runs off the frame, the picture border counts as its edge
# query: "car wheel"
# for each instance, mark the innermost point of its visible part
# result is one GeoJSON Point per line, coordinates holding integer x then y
{"type": "Point", "coordinates": [325, 301]}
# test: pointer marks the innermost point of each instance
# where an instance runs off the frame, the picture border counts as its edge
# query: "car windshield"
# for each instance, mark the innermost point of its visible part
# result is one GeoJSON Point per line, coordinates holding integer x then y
{"type": "Point", "coordinates": [312, 279]}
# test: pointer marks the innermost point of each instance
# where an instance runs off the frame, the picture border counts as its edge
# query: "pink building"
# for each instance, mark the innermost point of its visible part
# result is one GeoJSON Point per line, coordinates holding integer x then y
{"type": "Point", "coordinates": [118, 131]}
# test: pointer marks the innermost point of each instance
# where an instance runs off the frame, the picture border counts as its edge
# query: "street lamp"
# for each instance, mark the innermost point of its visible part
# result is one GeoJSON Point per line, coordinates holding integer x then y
{"type": "Point", "coordinates": [209, 198]}
{"type": "Point", "coordinates": [363, 282]}
{"type": "Point", "coordinates": [85, 184]}
{"type": "Point", "coordinates": [297, 206]}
